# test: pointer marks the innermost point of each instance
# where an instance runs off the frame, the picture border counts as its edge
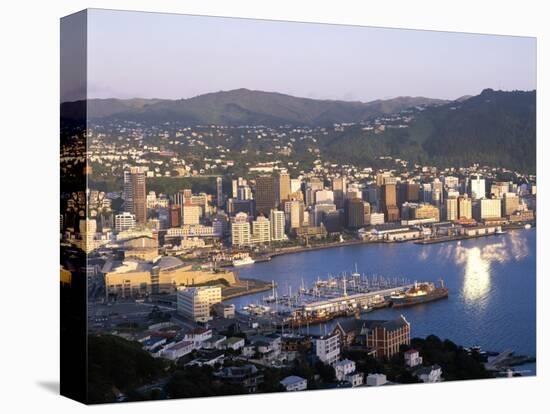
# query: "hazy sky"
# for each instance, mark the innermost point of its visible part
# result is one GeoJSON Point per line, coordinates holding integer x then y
{"type": "Point", "coordinates": [133, 54]}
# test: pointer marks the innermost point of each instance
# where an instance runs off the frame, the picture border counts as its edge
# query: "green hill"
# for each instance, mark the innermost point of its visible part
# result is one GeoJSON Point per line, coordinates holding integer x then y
{"type": "Point", "coordinates": [245, 107]}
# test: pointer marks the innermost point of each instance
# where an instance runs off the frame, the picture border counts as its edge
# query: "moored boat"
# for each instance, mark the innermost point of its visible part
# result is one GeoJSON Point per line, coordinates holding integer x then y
{"type": "Point", "coordinates": [420, 293]}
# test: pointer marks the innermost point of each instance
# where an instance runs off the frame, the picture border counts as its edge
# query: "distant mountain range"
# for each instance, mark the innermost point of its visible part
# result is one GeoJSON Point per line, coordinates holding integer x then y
{"type": "Point", "coordinates": [245, 107]}
{"type": "Point", "coordinates": [494, 128]}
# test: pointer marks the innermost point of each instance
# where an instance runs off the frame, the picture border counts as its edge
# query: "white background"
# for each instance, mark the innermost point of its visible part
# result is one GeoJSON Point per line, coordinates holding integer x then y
{"type": "Point", "coordinates": [29, 100]}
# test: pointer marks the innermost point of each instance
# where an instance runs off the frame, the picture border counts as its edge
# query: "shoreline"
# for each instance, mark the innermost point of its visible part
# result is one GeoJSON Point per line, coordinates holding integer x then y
{"type": "Point", "coordinates": [444, 239]}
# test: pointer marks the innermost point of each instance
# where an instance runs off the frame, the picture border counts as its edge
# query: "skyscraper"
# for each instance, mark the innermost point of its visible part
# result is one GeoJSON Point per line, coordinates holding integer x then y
{"type": "Point", "coordinates": [277, 220]}
{"type": "Point", "coordinates": [355, 213]}
{"type": "Point", "coordinates": [135, 194]}
{"type": "Point", "coordinates": [477, 188]}
{"type": "Point", "coordinates": [284, 186]}
{"type": "Point", "coordinates": [339, 186]}
{"type": "Point", "coordinates": [388, 201]}
{"type": "Point", "coordinates": [265, 196]}
{"type": "Point", "coordinates": [464, 207]}
{"type": "Point", "coordinates": [452, 208]}
{"type": "Point", "coordinates": [219, 192]}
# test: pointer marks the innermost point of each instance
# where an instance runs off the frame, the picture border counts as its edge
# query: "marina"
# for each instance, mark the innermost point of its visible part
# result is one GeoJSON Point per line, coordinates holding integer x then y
{"type": "Point", "coordinates": [490, 282]}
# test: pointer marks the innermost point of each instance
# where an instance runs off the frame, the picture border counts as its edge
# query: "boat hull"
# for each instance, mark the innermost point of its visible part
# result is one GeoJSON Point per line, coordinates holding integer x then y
{"type": "Point", "coordinates": [418, 300]}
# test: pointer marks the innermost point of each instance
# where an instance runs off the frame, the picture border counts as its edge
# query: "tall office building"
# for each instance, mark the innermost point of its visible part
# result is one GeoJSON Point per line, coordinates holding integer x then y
{"type": "Point", "coordinates": [265, 196]}
{"type": "Point", "coordinates": [320, 212]}
{"type": "Point", "coordinates": [355, 213]}
{"type": "Point", "coordinates": [477, 188]}
{"type": "Point", "coordinates": [135, 195]}
{"type": "Point", "coordinates": [175, 216]}
{"type": "Point", "coordinates": [388, 202]}
{"type": "Point", "coordinates": [452, 208]}
{"type": "Point", "coordinates": [510, 203]}
{"type": "Point", "coordinates": [261, 230]}
{"type": "Point", "coordinates": [277, 220]}
{"type": "Point", "coordinates": [294, 212]}
{"type": "Point", "coordinates": [312, 186]}
{"type": "Point", "coordinates": [488, 208]}
{"type": "Point", "coordinates": [191, 213]}
{"type": "Point", "coordinates": [284, 187]}
{"type": "Point", "coordinates": [219, 192]}
{"type": "Point", "coordinates": [339, 187]}
{"type": "Point", "coordinates": [240, 230]}
{"type": "Point", "coordinates": [234, 186]}
{"type": "Point", "coordinates": [464, 207]}
{"type": "Point", "coordinates": [324, 197]}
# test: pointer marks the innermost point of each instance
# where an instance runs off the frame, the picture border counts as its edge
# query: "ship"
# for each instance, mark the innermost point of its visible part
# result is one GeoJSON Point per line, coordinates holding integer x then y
{"type": "Point", "coordinates": [420, 293]}
{"type": "Point", "coordinates": [247, 260]}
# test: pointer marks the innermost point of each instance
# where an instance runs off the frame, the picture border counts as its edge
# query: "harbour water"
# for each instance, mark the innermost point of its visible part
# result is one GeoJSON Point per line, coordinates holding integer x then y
{"type": "Point", "coordinates": [491, 281]}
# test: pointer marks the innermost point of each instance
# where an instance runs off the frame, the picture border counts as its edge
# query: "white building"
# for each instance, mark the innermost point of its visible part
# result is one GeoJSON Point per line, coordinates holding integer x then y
{"type": "Point", "coordinates": [277, 221]}
{"type": "Point", "coordinates": [376, 218]}
{"type": "Point", "coordinates": [198, 336]}
{"type": "Point", "coordinates": [488, 208]}
{"type": "Point", "coordinates": [327, 348]}
{"type": "Point", "coordinates": [124, 222]}
{"type": "Point", "coordinates": [240, 230]}
{"type": "Point", "coordinates": [324, 197]}
{"type": "Point", "coordinates": [234, 343]}
{"type": "Point", "coordinates": [177, 350]}
{"type": "Point", "coordinates": [477, 188]}
{"type": "Point", "coordinates": [261, 231]}
{"type": "Point", "coordinates": [412, 358]}
{"type": "Point", "coordinates": [195, 302]}
{"type": "Point", "coordinates": [343, 368]}
{"type": "Point", "coordinates": [429, 374]}
{"type": "Point", "coordinates": [294, 383]}
{"type": "Point", "coordinates": [355, 379]}
{"type": "Point", "coordinates": [375, 380]}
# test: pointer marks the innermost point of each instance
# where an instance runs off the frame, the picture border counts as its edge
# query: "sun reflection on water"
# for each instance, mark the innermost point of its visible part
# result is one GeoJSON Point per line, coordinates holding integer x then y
{"type": "Point", "coordinates": [478, 262]}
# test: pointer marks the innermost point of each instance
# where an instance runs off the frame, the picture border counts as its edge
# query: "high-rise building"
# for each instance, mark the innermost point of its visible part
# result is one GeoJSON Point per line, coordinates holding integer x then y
{"type": "Point", "coordinates": [125, 221]}
{"type": "Point", "coordinates": [477, 188]}
{"type": "Point", "coordinates": [320, 212]}
{"type": "Point", "coordinates": [265, 195]}
{"type": "Point", "coordinates": [244, 193]}
{"type": "Point", "coordinates": [295, 185]}
{"type": "Point", "coordinates": [413, 192]}
{"type": "Point", "coordinates": [235, 206]}
{"type": "Point", "coordinates": [464, 207]}
{"type": "Point", "coordinates": [219, 192]}
{"type": "Point", "coordinates": [510, 203]}
{"type": "Point", "coordinates": [284, 187]}
{"type": "Point", "coordinates": [388, 202]}
{"type": "Point", "coordinates": [135, 195]}
{"type": "Point", "coordinates": [339, 186]}
{"type": "Point", "coordinates": [294, 212]}
{"type": "Point", "coordinates": [452, 208]}
{"type": "Point", "coordinates": [366, 210]}
{"type": "Point", "coordinates": [277, 220]}
{"type": "Point", "coordinates": [234, 186]}
{"type": "Point", "coordinates": [488, 208]}
{"type": "Point", "coordinates": [195, 303]}
{"type": "Point", "coordinates": [355, 213]}
{"type": "Point", "coordinates": [324, 197]}
{"type": "Point", "coordinates": [240, 230]}
{"type": "Point", "coordinates": [175, 216]}
{"type": "Point", "coordinates": [261, 230]}
{"type": "Point", "coordinates": [191, 213]}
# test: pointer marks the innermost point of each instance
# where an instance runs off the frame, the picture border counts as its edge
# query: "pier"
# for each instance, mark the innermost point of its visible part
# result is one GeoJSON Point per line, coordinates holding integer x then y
{"type": "Point", "coordinates": [357, 300]}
